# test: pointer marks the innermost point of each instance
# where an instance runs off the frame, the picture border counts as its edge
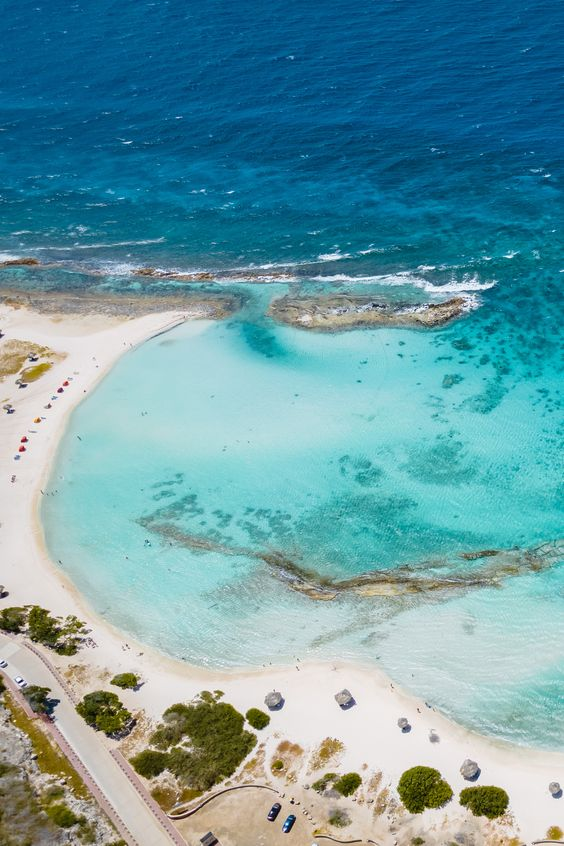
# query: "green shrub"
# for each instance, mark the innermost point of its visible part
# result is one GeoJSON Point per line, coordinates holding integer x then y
{"type": "Point", "coordinates": [484, 801]}
{"type": "Point", "coordinates": [258, 719]}
{"type": "Point", "coordinates": [348, 784]}
{"type": "Point", "coordinates": [125, 680]}
{"type": "Point", "coordinates": [218, 740]}
{"type": "Point", "coordinates": [149, 763]}
{"type": "Point", "coordinates": [417, 841]}
{"type": "Point", "coordinates": [555, 833]}
{"type": "Point", "coordinates": [277, 765]}
{"type": "Point", "coordinates": [37, 698]}
{"type": "Point", "coordinates": [104, 711]}
{"type": "Point", "coordinates": [339, 818]}
{"type": "Point", "coordinates": [423, 787]}
{"type": "Point", "coordinates": [62, 815]}
{"type": "Point", "coordinates": [321, 785]}
{"type": "Point", "coordinates": [13, 619]}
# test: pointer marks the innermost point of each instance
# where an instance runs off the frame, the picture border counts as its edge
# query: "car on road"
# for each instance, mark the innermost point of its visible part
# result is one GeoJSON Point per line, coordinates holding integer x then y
{"type": "Point", "coordinates": [20, 682]}
{"type": "Point", "coordinates": [3, 663]}
{"type": "Point", "coordinates": [288, 823]}
{"type": "Point", "coordinates": [274, 811]}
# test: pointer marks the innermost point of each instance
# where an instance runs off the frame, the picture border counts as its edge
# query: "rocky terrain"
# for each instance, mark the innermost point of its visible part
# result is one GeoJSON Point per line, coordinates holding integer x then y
{"type": "Point", "coordinates": [342, 311]}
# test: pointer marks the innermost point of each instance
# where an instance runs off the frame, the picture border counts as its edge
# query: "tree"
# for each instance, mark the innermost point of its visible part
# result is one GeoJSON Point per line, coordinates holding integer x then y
{"type": "Point", "coordinates": [485, 801]}
{"type": "Point", "coordinates": [104, 711]}
{"type": "Point", "coordinates": [42, 627]}
{"type": "Point", "coordinates": [13, 619]}
{"type": "Point", "coordinates": [149, 763]}
{"type": "Point", "coordinates": [348, 784]}
{"type": "Point", "coordinates": [257, 718]}
{"type": "Point", "coordinates": [125, 680]}
{"type": "Point", "coordinates": [423, 787]}
{"type": "Point", "coordinates": [38, 698]}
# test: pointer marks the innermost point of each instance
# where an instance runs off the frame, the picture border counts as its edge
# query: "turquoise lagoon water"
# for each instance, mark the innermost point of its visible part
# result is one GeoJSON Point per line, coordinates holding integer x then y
{"type": "Point", "coordinates": [350, 452]}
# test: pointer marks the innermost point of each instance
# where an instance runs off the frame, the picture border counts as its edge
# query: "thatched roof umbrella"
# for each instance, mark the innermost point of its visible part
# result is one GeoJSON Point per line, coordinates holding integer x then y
{"type": "Point", "coordinates": [274, 700]}
{"type": "Point", "coordinates": [554, 788]}
{"type": "Point", "coordinates": [344, 698]}
{"type": "Point", "coordinates": [403, 723]}
{"type": "Point", "coordinates": [469, 769]}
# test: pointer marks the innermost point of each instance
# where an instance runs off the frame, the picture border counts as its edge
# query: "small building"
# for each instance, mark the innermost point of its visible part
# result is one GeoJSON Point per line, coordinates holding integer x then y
{"type": "Point", "coordinates": [209, 839]}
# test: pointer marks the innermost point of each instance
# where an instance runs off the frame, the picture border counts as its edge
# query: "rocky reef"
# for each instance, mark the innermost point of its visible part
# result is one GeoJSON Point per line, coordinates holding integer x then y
{"type": "Point", "coordinates": [20, 262]}
{"type": "Point", "coordinates": [209, 306]}
{"type": "Point", "coordinates": [338, 312]}
{"type": "Point", "coordinates": [424, 577]}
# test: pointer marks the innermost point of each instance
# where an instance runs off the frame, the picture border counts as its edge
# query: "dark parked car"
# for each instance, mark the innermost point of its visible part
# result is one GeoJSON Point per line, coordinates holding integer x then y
{"type": "Point", "coordinates": [274, 811]}
{"type": "Point", "coordinates": [288, 823]}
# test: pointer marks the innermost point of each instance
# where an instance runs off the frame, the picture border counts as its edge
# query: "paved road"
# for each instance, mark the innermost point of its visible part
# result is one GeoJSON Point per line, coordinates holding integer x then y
{"type": "Point", "coordinates": [143, 826]}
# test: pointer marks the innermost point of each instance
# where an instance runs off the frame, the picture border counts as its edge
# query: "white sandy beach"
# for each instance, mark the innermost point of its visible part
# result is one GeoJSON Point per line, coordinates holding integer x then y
{"type": "Point", "coordinates": [369, 730]}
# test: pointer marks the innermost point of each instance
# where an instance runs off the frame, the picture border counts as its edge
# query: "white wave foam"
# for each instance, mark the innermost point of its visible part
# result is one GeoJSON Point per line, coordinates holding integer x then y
{"type": "Point", "coordinates": [9, 257]}
{"type": "Point", "coordinates": [453, 287]}
{"type": "Point", "coordinates": [337, 256]}
{"type": "Point", "coordinates": [100, 246]}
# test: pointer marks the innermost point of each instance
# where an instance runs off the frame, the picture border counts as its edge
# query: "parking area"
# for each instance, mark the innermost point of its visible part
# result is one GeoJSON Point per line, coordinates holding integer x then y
{"type": "Point", "coordinates": [239, 819]}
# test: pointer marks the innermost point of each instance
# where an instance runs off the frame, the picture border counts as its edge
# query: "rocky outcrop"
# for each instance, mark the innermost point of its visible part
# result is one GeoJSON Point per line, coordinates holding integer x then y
{"type": "Point", "coordinates": [20, 262]}
{"type": "Point", "coordinates": [338, 312]}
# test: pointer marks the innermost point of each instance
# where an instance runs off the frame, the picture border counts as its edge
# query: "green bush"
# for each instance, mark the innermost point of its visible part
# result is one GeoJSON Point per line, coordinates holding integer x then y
{"type": "Point", "coordinates": [149, 763]}
{"type": "Point", "coordinates": [348, 784]}
{"type": "Point", "coordinates": [218, 741]}
{"type": "Point", "coordinates": [104, 711]}
{"type": "Point", "coordinates": [423, 787]}
{"type": "Point", "coordinates": [13, 619]}
{"type": "Point", "coordinates": [125, 680]}
{"type": "Point", "coordinates": [339, 818]}
{"type": "Point", "coordinates": [257, 719]}
{"type": "Point", "coordinates": [484, 801]}
{"type": "Point", "coordinates": [37, 698]}
{"type": "Point", "coordinates": [62, 815]}
{"type": "Point", "coordinates": [321, 785]}
{"type": "Point", "coordinates": [277, 765]}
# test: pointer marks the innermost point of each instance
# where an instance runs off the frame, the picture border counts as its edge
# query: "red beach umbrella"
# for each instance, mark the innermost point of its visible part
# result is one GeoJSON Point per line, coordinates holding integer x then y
{"type": "Point", "coordinates": [59, 390]}
{"type": "Point", "coordinates": [65, 384]}
{"type": "Point", "coordinates": [21, 449]}
{"type": "Point", "coordinates": [24, 440]}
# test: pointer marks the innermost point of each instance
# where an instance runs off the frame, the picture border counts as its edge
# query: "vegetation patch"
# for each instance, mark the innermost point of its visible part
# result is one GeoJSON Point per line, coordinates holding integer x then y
{"type": "Point", "coordinates": [423, 787]}
{"type": "Point", "coordinates": [328, 749]}
{"type": "Point", "coordinates": [49, 758]}
{"type": "Point", "coordinates": [38, 698]}
{"type": "Point", "coordinates": [348, 784]}
{"type": "Point", "coordinates": [32, 374]}
{"type": "Point", "coordinates": [277, 765]}
{"type": "Point", "coordinates": [125, 681]}
{"type": "Point", "coordinates": [14, 355]}
{"type": "Point", "coordinates": [62, 635]}
{"type": "Point", "coordinates": [257, 718]}
{"type": "Point", "coordinates": [149, 763]}
{"type": "Point", "coordinates": [554, 833]}
{"type": "Point", "coordinates": [339, 818]}
{"type": "Point", "coordinates": [321, 785]}
{"type": "Point", "coordinates": [201, 743]}
{"type": "Point", "coordinates": [62, 815]}
{"type": "Point", "coordinates": [105, 712]}
{"type": "Point", "coordinates": [485, 801]}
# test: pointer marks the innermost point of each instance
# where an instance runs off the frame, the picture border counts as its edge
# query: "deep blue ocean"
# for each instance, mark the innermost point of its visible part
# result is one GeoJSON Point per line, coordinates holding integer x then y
{"type": "Point", "coordinates": [411, 149]}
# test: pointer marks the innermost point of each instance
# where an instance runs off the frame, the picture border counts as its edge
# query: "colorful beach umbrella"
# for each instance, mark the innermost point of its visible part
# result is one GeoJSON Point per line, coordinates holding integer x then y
{"type": "Point", "coordinates": [59, 390]}
{"type": "Point", "coordinates": [65, 384]}
{"type": "Point", "coordinates": [37, 420]}
{"type": "Point", "coordinates": [21, 449]}
{"type": "Point", "coordinates": [24, 439]}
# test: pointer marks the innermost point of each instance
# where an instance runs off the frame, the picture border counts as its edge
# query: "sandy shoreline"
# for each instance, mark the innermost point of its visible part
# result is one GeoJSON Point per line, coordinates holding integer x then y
{"type": "Point", "coordinates": [92, 344]}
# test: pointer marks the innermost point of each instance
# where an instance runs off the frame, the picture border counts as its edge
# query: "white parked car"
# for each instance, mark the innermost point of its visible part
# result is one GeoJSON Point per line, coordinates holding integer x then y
{"type": "Point", "coordinates": [3, 663]}
{"type": "Point", "coordinates": [20, 682]}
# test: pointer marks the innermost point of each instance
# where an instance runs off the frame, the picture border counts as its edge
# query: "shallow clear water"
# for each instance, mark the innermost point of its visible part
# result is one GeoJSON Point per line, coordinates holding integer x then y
{"type": "Point", "coordinates": [406, 149]}
{"type": "Point", "coordinates": [346, 453]}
